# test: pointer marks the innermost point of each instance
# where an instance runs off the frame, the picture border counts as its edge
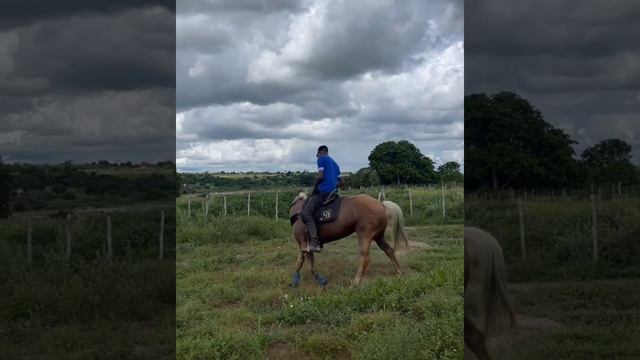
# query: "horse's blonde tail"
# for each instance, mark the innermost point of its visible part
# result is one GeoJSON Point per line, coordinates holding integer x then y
{"type": "Point", "coordinates": [396, 219]}
{"type": "Point", "coordinates": [401, 236]}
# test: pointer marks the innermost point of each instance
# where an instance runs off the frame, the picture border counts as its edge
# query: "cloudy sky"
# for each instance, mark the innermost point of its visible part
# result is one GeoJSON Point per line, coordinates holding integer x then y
{"type": "Point", "coordinates": [87, 80]}
{"type": "Point", "coordinates": [261, 84]}
{"type": "Point", "coordinates": [580, 65]}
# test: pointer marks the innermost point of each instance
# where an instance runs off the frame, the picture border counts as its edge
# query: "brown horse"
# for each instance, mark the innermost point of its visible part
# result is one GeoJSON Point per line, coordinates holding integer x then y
{"type": "Point", "coordinates": [490, 302]}
{"type": "Point", "coordinates": [362, 214]}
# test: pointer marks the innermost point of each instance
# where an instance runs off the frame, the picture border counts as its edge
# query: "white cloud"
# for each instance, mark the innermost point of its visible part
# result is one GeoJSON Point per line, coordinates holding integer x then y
{"type": "Point", "coordinates": [349, 74]}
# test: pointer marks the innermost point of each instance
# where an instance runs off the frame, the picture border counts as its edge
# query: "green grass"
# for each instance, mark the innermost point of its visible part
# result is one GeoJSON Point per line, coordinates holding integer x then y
{"type": "Point", "coordinates": [88, 307]}
{"type": "Point", "coordinates": [92, 310]}
{"type": "Point", "coordinates": [233, 299]}
{"type": "Point", "coordinates": [598, 320]}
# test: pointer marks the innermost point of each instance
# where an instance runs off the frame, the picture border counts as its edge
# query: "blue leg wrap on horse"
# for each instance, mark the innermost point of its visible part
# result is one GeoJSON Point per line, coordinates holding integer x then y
{"type": "Point", "coordinates": [295, 281]}
{"type": "Point", "coordinates": [321, 280]}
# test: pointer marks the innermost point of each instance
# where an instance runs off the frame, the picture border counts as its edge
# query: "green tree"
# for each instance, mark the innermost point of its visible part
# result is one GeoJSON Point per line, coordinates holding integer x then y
{"type": "Point", "coordinates": [450, 172]}
{"type": "Point", "coordinates": [509, 144]}
{"type": "Point", "coordinates": [609, 161]}
{"type": "Point", "coordinates": [363, 177]}
{"type": "Point", "coordinates": [401, 163]}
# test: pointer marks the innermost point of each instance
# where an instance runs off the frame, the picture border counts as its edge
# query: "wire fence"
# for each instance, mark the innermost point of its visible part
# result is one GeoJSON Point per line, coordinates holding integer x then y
{"type": "Point", "coordinates": [108, 236]}
{"type": "Point", "coordinates": [419, 204]}
{"type": "Point", "coordinates": [561, 225]}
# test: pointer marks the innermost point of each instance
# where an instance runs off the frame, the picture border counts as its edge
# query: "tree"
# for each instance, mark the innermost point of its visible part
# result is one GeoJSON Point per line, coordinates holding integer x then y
{"type": "Point", "coordinates": [450, 172]}
{"type": "Point", "coordinates": [5, 190]}
{"type": "Point", "coordinates": [363, 177]}
{"type": "Point", "coordinates": [609, 161]}
{"type": "Point", "coordinates": [508, 144]}
{"type": "Point", "coordinates": [401, 163]}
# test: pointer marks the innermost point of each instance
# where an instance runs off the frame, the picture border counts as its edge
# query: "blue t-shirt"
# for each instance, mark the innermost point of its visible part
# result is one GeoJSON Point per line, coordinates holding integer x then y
{"type": "Point", "coordinates": [331, 173]}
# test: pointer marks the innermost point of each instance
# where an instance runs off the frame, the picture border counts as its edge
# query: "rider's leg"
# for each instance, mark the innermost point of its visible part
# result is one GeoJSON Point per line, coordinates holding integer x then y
{"type": "Point", "coordinates": [308, 219]}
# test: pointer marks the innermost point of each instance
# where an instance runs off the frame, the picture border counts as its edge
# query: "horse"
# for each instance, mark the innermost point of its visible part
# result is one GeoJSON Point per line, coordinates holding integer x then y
{"type": "Point", "coordinates": [362, 214]}
{"type": "Point", "coordinates": [483, 261]}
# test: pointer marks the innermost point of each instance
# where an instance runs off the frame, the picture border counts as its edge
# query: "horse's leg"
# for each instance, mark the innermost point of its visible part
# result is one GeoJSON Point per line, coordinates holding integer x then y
{"type": "Point", "coordinates": [473, 337]}
{"type": "Point", "coordinates": [475, 340]}
{"type": "Point", "coordinates": [365, 244]}
{"type": "Point", "coordinates": [319, 278]}
{"type": "Point", "coordinates": [295, 281]}
{"type": "Point", "coordinates": [388, 250]}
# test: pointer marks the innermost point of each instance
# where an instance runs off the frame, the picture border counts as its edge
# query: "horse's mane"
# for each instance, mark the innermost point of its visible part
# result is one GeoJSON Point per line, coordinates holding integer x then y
{"type": "Point", "coordinates": [301, 195]}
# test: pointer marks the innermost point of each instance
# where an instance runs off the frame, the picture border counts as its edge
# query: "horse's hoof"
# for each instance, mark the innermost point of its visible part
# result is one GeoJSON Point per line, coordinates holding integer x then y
{"type": "Point", "coordinates": [322, 281]}
{"type": "Point", "coordinates": [295, 281]}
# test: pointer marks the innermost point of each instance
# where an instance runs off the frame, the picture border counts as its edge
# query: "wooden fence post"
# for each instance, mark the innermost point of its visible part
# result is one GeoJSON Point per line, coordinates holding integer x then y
{"type": "Point", "coordinates": [67, 232]}
{"type": "Point", "coordinates": [276, 206]}
{"type": "Point", "coordinates": [600, 200]}
{"type": "Point", "coordinates": [410, 202]}
{"type": "Point", "coordinates": [161, 238]}
{"type": "Point", "coordinates": [109, 240]}
{"type": "Point", "coordinates": [189, 210]}
{"type": "Point", "coordinates": [444, 206]}
{"type": "Point", "coordinates": [206, 206]}
{"type": "Point", "coordinates": [594, 228]}
{"type": "Point", "coordinates": [29, 244]}
{"type": "Point", "coordinates": [224, 200]}
{"type": "Point", "coordinates": [249, 204]}
{"type": "Point", "coordinates": [523, 247]}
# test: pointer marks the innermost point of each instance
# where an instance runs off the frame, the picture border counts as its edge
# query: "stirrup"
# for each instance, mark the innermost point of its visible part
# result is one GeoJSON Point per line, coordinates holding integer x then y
{"type": "Point", "coordinates": [316, 248]}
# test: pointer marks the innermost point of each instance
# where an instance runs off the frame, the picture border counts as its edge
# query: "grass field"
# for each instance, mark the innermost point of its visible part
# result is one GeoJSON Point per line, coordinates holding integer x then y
{"type": "Point", "coordinates": [575, 320]}
{"type": "Point", "coordinates": [569, 307]}
{"type": "Point", "coordinates": [233, 299]}
{"type": "Point", "coordinates": [88, 307]}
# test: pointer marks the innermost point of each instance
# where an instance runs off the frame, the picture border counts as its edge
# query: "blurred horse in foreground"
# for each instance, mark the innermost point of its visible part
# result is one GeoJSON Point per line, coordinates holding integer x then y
{"type": "Point", "coordinates": [488, 306]}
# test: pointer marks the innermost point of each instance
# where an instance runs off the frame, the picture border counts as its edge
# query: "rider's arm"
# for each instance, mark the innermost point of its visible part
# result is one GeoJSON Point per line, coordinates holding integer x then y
{"type": "Point", "coordinates": [320, 172]}
{"type": "Point", "coordinates": [319, 178]}
{"type": "Point", "coordinates": [340, 183]}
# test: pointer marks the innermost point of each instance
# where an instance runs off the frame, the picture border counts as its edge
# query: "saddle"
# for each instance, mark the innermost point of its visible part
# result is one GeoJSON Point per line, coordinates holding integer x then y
{"type": "Point", "coordinates": [329, 210]}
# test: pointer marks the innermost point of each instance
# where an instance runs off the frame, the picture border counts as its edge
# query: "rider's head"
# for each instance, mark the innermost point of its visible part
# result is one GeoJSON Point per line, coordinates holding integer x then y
{"type": "Point", "coordinates": [323, 150]}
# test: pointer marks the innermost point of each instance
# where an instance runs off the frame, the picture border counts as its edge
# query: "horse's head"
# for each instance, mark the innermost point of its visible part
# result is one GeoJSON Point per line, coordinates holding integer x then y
{"type": "Point", "coordinates": [296, 206]}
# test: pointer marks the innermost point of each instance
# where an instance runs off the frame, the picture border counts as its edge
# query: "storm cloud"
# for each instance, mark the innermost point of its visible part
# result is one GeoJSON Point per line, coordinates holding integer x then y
{"type": "Point", "coordinates": [580, 65]}
{"type": "Point", "coordinates": [87, 80]}
{"type": "Point", "coordinates": [261, 84]}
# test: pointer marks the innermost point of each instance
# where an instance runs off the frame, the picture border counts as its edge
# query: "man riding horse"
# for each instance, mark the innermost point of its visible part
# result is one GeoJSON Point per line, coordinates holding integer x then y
{"type": "Point", "coordinates": [328, 181]}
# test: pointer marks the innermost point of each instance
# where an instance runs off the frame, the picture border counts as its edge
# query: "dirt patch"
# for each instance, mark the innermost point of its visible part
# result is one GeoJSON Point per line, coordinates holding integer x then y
{"type": "Point", "coordinates": [419, 245]}
{"type": "Point", "coordinates": [528, 326]}
{"type": "Point", "coordinates": [413, 246]}
{"type": "Point", "coordinates": [283, 351]}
